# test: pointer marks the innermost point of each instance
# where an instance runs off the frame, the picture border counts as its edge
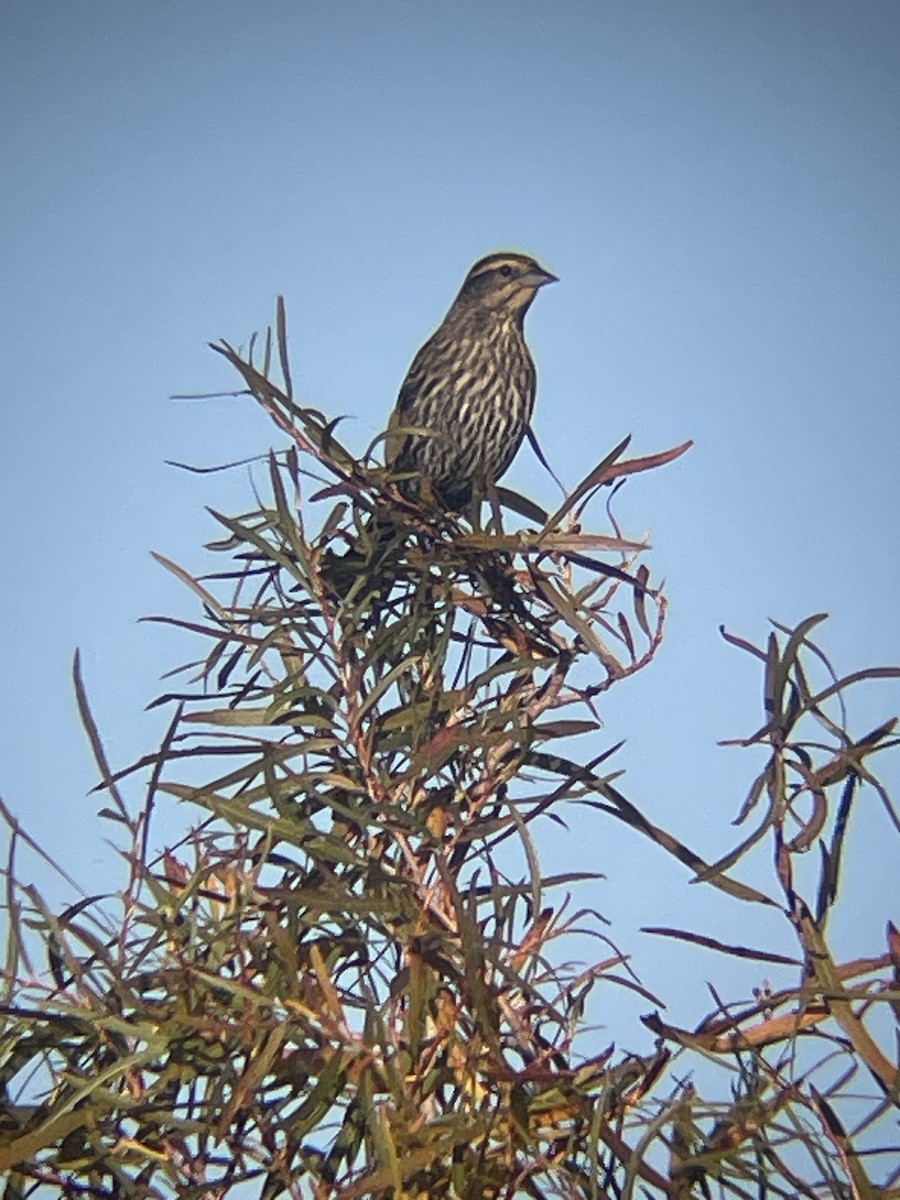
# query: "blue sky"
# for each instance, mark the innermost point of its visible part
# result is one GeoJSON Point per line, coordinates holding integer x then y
{"type": "Point", "coordinates": [717, 186]}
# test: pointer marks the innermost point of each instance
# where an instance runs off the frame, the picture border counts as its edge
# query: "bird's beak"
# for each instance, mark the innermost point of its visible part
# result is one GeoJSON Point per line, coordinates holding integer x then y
{"type": "Point", "coordinates": [537, 277]}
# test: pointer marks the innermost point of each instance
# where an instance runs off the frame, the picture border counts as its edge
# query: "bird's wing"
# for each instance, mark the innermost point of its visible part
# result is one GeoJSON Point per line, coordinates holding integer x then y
{"type": "Point", "coordinates": [416, 376]}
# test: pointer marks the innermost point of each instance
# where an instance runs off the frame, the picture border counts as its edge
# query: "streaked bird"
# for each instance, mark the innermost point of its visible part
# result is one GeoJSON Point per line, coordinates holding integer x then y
{"type": "Point", "coordinates": [467, 399]}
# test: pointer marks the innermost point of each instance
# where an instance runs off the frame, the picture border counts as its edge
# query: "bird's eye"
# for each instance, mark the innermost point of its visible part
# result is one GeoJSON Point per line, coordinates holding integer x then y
{"type": "Point", "coordinates": [506, 271]}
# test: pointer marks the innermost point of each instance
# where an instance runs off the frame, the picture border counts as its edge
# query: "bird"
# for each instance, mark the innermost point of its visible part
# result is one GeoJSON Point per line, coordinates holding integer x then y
{"type": "Point", "coordinates": [467, 399]}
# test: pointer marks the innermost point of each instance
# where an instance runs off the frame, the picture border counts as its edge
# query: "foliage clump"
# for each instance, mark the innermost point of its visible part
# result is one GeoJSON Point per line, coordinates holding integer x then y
{"type": "Point", "coordinates": [350, 978]}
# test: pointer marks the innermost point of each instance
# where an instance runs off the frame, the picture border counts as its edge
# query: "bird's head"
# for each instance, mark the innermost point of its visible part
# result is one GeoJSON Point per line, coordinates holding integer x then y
{"type": "Point", "coordinates": [504, 283]}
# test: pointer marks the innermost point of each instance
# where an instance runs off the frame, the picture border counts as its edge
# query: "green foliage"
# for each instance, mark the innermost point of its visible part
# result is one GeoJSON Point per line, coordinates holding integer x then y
{"type": "Point", "coordinates": [350, 978]}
